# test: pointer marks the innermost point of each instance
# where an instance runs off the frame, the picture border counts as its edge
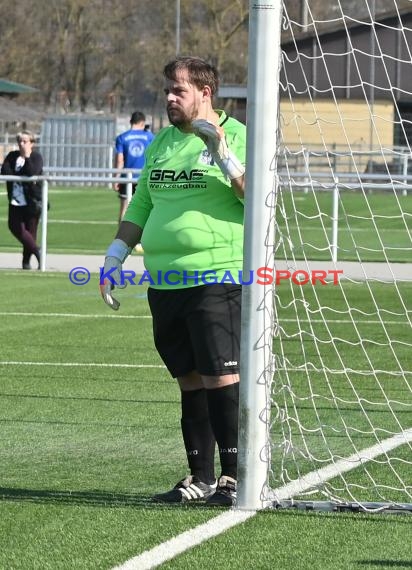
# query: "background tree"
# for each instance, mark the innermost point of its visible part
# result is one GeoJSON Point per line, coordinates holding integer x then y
{"type": "Point", "coordinates": [106, 54]}
{"type": "Point", "coordinates": [89, 51]}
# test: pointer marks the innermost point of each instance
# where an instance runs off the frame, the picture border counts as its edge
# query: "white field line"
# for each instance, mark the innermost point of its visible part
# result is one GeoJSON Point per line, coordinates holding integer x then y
{"type": "Point", "coordinates": [73, 315]}
{"type": "Point", "coordinates": [179, 544]}
{"type": "Point", "coordinates": [86, 222]}
{"type": "Point", "coordinates": [71, 191]}
{"type": "Point", "coordinates": [78, 364]}
{"type": "Point", "coordinates": [113, 316]}
{"type": "Point", "coordinates": [77, 222]}
{"type": "Point", "coordinates": [290, 226]}
{"type": "Point", "coordinates": [342, 466]}
{"type": "Point", "coordinates": [171, 548]}
{"type": "Point", "coordinates": [137, 366]}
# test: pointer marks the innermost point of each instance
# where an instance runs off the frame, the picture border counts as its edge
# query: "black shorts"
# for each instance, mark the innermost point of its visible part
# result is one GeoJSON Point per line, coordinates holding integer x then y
{"type": "Point", "coordinates": [198, 328]}
{"type": "Point", "coordinates": [123, 191]}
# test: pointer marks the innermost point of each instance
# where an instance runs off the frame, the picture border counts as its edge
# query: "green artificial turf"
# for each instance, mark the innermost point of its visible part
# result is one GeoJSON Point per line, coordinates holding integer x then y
{"type": "Point", "coordinates": [90, 429]}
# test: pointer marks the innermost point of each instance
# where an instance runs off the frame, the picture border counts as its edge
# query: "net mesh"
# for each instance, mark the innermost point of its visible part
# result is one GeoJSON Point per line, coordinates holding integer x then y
{"type": "Point", "coordinates": [341, 395]}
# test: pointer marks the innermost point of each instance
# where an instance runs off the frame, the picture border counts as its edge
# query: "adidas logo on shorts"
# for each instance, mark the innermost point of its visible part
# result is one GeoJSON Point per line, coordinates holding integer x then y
{"type": "Point", "coordinates": [230, 363]}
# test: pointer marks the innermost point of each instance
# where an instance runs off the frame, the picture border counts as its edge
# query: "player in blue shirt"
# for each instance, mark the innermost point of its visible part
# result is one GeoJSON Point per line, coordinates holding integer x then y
{"type": "Point", "coordinates": [130, 148]}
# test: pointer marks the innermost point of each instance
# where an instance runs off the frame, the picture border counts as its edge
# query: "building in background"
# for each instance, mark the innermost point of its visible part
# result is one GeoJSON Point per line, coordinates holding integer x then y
{"type": "Point", "coordinates": [330, 75]}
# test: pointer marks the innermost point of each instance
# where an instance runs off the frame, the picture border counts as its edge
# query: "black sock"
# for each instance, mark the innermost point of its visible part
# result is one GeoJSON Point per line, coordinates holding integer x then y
{"type": "Point", "coordinates": [223, 413]}
{"type": "Point", "coordinates": [37, 255]}
{"type": "Point", "coordinates": [198, 435]}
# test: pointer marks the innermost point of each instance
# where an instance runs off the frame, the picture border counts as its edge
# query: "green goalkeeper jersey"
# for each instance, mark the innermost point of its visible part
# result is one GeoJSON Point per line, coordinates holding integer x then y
{"type": "Point", "coordinates": [191, 218]}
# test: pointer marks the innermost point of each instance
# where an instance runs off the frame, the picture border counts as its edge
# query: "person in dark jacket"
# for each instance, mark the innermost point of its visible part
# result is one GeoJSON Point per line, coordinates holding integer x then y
{"type": "Point", "coordinates": [25, 198]}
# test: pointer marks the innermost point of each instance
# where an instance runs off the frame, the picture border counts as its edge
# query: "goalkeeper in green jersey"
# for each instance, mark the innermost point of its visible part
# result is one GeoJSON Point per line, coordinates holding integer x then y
{"type": "Point", "coordinates": [187, 212]}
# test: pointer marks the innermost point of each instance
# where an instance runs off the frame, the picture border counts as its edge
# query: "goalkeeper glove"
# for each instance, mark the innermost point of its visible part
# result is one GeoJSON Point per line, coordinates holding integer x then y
{"type": "Point", "coordinates": [215, 141]}
{"type": "Point", "coordinates": [112, 272]}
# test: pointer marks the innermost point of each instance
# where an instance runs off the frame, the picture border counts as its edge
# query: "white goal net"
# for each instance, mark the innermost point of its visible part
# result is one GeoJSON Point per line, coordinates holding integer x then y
{"type": "Point", "coordinates": [339, 370]}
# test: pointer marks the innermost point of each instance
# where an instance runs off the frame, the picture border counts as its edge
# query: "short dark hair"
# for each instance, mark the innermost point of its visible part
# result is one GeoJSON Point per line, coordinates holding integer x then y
{"type": "Point", "coordinates": [199, 71]}
{"type": "Point", "coordinates": [137, 117]}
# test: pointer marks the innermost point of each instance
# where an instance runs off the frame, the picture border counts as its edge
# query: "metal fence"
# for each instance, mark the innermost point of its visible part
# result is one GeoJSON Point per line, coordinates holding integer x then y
{"type": "Point", "coordinates": [385, 162]}
{"type": "Point", "coordinates": [77, 142]}
{"type": "Point", "coordinates": [104, 178]}
{"type": "Point", "coordinates": [89, 144]}
{"type": "Point", "coordinates": [73, 142]}
{"type": "Point", "coordinates": [101, 177]}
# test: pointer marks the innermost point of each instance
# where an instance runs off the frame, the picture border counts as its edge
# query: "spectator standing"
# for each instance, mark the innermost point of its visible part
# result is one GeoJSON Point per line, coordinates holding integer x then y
{"type": "Point", "coordinates": [130, 148]}
{"type": "Point", "coordinates": [25, 198]}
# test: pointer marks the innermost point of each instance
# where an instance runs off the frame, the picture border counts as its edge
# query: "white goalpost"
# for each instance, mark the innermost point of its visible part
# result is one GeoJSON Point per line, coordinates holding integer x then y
{"type": "Point", "coordinates": [257, 313]}
{"type": "Point", "coordinates": [326, 365]}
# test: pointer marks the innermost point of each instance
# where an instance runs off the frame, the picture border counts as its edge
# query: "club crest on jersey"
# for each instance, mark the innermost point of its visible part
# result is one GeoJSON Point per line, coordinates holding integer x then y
{"type": "Point", "coordinates": [206, 157]}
